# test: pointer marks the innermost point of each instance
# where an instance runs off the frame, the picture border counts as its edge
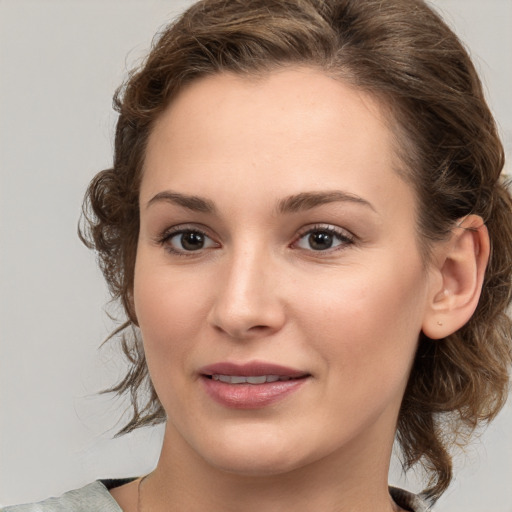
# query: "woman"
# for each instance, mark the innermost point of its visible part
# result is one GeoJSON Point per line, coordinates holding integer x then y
{"type": "Point", "coordinates": [299, 223]}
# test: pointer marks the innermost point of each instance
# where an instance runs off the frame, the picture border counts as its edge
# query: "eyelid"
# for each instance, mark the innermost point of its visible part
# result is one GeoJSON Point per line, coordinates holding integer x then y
{"type": "Point", "coordinates": [345, 236]}
{"type": "Point", "coordinates": [172, 231]}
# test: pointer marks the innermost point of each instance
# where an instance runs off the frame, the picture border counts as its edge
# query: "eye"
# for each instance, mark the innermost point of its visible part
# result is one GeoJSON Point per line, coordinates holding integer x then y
{"type": "Point", "coordinates": [183, 241]}
{"type": "Point", "coordinates": [324, 238]}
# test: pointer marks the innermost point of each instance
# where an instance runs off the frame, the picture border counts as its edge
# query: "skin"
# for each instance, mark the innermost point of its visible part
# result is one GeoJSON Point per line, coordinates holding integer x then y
{"type": "Point", "coordinates": [349, 316]}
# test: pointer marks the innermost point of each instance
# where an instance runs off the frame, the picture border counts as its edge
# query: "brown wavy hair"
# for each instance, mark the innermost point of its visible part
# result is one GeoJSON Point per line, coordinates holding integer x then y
{"type": "Point", "coordinates": [404, 54]}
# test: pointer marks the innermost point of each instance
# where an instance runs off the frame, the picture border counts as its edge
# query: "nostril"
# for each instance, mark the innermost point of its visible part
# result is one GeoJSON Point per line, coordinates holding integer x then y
{"type": "Point", "coordinates": [239, 320]}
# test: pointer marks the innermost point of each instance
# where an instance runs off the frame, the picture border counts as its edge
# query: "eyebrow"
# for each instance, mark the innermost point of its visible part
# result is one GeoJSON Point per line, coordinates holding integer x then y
{"type": "Point", "coordinates": [291, 204]}
{"type": "Point", "coordinates": [194, 203]}
{"type": "Point", "coordinates": [309, 200]}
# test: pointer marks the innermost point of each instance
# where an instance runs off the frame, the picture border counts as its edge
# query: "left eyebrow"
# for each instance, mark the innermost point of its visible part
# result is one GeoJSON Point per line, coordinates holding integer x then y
{"type": "Point", "coordinates": [309, 200]}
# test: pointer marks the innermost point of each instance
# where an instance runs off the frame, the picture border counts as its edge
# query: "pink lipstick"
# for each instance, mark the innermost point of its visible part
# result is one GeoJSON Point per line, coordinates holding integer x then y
{"type": "Point", "coordinates": [250, 386]}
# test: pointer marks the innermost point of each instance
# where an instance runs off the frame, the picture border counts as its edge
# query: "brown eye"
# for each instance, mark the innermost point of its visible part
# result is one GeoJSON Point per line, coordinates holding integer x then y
{"type": "Point", "coordinates": [320, 241]}
{"type": "Point", "coordinates": [188, 240]}
{"type": "Point", "coordinates": [324, 238]}
{"type": "Point", "coordinates": [192, 241]}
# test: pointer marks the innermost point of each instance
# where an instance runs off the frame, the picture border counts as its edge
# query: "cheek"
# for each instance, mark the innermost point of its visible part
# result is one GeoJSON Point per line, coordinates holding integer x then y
{"type": "Point", "coordinates": [368, 325]}
{"type": "Point", "coordinates": [169, 315]}
{"type": "Point", "coordinates": [169, 311]}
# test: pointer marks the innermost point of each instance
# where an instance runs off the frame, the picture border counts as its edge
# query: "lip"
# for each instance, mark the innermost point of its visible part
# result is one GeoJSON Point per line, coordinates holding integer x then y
{"type": "Point", "coordinates": [251, 369]}
{"type": "Point", "coordinates": [251, 396]}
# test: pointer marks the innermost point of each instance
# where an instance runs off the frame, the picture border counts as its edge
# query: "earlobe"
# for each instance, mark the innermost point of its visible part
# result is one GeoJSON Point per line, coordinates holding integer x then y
{"type": "Point", "coordinates": [459, 268]}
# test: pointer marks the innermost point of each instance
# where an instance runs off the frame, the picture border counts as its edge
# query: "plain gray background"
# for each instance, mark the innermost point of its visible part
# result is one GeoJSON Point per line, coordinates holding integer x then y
{"type": "Point", "coordinates": [60, 62]}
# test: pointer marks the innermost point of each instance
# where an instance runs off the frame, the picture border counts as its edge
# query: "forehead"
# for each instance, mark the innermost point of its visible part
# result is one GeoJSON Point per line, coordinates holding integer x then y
{"type": "Point", "coordinates": [282, 133]}
{"type": "Point", "coordinates": [299, 100]}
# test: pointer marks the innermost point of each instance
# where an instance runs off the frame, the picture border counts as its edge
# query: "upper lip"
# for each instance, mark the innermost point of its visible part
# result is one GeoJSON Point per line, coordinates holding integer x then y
{"type": "Point", "coordinates": [251, 369]}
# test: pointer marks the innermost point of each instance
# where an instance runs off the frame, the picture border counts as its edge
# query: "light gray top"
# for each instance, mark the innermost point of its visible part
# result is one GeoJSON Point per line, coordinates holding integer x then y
{"type": "Point", "coordinates": [91, 498]}
{"type": "Point", "coordinates": [95, 497]}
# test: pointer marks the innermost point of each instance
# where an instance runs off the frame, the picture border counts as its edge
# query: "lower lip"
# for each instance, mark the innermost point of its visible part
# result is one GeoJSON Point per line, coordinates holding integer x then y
{"type": "Point", "coordinates": [250, 396]}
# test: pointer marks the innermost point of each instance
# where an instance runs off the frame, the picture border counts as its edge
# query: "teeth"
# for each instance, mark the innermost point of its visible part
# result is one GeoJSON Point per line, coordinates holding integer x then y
{"type": "Point", "coordinates": [257, 380]}
{"type": "Point", "coordinates": [239, 379]}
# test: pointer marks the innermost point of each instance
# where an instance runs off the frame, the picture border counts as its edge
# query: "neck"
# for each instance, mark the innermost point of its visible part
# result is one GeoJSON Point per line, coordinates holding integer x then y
{"type": "Point", "coordinates": [354, 479]}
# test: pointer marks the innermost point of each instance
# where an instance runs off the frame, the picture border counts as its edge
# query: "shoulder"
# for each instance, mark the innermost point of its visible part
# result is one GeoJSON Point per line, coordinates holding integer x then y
{"type": "Point", "coordinates": [97, 495]}
{"type": "Point", "coordinates": [408, 501]}
{"type": "Point", "coordinates": [94, 496]}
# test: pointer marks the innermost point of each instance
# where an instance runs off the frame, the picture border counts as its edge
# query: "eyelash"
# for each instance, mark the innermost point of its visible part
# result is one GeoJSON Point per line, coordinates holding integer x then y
{"type": "Point", "coordinates": [344, 238]}
{"type": "Point", "coordinates": [165, 238]}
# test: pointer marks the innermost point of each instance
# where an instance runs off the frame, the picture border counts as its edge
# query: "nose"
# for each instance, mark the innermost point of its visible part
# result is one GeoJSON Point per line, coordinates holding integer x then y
{"type": "Point", "coordinates": [247, 303]}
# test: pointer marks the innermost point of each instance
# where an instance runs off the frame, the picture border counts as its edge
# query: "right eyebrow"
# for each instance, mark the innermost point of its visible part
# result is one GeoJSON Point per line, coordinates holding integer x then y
{"type": "Point", "coordinates": [194, 203]}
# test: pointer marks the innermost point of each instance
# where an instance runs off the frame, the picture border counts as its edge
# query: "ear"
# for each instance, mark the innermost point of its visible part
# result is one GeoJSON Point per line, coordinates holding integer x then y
{"type": "Point", "coordinates": [457, 274]}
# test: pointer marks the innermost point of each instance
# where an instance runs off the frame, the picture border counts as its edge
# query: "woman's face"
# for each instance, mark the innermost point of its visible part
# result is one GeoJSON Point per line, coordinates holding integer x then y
{"type": "Point", "coordinates": [278, 284]}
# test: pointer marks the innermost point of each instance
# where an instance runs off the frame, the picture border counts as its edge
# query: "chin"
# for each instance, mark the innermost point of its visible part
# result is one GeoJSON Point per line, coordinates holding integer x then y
{"type": "Point", "coordinates": [257, 466]}
{"type": "Point", "coordinates": [253, 454]}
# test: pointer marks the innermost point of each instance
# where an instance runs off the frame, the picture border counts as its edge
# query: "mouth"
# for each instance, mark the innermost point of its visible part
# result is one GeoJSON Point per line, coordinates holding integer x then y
{"type": "Point", "coordinates": [250, 386]}
{"type": "Point", "coordinates": [242, 379]}
{"type": "Point", "coordinates": [255, 372]}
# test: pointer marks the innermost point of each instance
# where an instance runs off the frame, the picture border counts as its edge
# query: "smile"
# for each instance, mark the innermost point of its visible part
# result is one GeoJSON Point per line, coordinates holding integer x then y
{"type": "Point", "coordinates": [252, 385]}
{"type": "Point", "coordinates": [241, 379]}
